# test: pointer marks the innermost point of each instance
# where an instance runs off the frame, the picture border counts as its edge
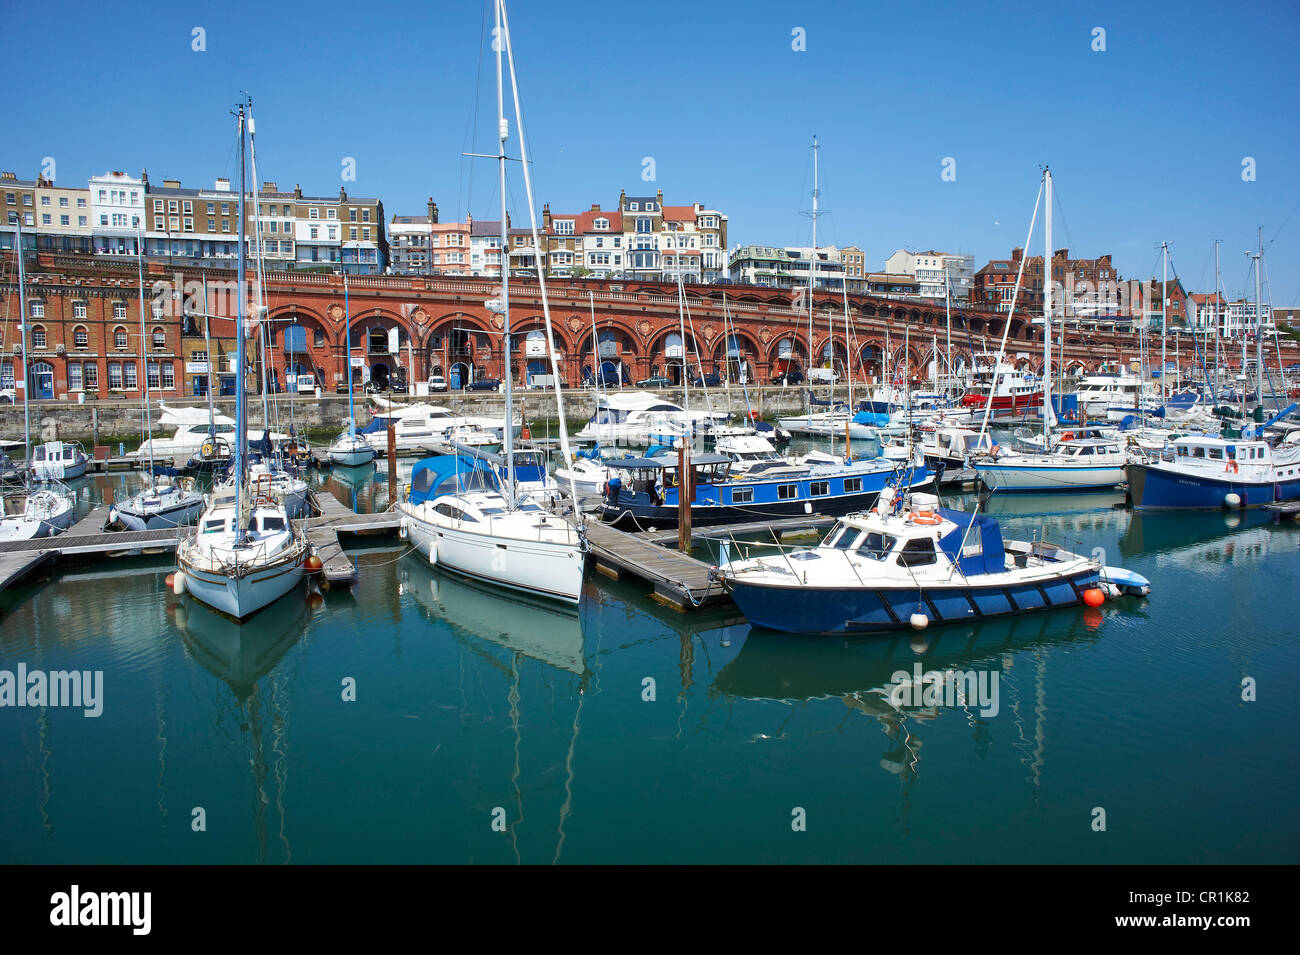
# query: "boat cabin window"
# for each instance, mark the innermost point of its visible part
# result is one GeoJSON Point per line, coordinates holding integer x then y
{"type": "Point", "coordinates": [1198, 452]}
{"type": "Point", "coordinates": [214, 527]}
{"type": "Point", "coordinates": [845, 538]}
{"type": "Point", "coordinates": [1216, 454]}
{"type": "Point", "coordinates": [527, 507]}
{"type": "Point", "coordinates": [491, 510]}
{"type": "Point", "coordinates": [877, 545]}
{"type": "Point", "coordinates": [785, 492]}
{"type": "Point", "coordinates": [273, 523]}
{"type": "Point", "coordinates": [852, 485]}
{"type": "Point", "coordinates": [820, 488]}
{"type": "Point", "coordinates": [917, 553]}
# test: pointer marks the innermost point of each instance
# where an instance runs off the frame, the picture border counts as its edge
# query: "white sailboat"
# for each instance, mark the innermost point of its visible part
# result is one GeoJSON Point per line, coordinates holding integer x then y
{"type": "Point", "coordinates": [459, 513]}
{"type": "Point", "coordinates": [163, 503]}
{"type": "Point", "coordinates": [246, 552]}
{"type": "Point", "coordinates": [1080, 464]}
{"type": "Point", "coordinates": [350, 449]}
{"type": "Point", "coordinates": [29, 513]}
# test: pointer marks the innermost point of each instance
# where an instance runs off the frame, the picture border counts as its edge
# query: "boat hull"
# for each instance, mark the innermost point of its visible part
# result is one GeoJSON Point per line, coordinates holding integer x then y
{"type": "Point", "coordinates": [1152, 487]}
{"type": "Point", "coordinates": [640, 514]}
{"type": "Point", "coordinates": [836, 610]}
{"type": "Point", "coordinates": [147, 519]}
{"type": "Point", "coordinates": [354, 457]}
{"type": "Point", "coordinates": [241, 597]}
{"type": "Point", "coordinates": [1008, 477]}
{"type": "Point", "coordinates": [543, 568]}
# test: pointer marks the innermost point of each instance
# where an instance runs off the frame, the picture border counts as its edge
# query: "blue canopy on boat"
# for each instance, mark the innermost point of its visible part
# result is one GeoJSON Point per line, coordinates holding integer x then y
{"type": "Point", "coordinates": [984, 553]}
{"type": "Point", "coordinates": [450, 474]}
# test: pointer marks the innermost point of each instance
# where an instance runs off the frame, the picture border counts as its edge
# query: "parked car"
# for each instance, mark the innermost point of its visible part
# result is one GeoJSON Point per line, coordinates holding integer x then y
{"type": "Point", "coordinates": [484, 384]}
{"type": "Point", "coordinates": [437, 383]}
{"type": "Point", "coordinates": [657, 381]}
{"type": "Point", "coordinates": [8, 395]}
{"type": "Point", "coordinates": [711, 380]}
{"type": "Point", "coordinates": [397, 386]}
{"type": "Point", "coordinates": [794, 376]}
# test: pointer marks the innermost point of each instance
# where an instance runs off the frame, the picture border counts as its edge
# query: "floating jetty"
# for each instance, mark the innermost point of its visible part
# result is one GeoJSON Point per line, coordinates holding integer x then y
{"type": "Point", "coordinates": [87, 539]}
{"type": "Point", "coordinates": [679, 580]}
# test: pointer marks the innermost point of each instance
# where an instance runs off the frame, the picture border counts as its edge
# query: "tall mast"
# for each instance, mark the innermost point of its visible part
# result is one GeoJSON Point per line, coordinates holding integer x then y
{"type": "Point", "coordinates": [947, 317]}
{"type": "Point", "coordinates": [541, 272]}
{"type": "Point", "coordinates": [1215, 396]}
{"type": "Point", "coordinates": [207, 345]}
{"type": "Point", "coordinates": [1164, 314]}
{"type": "Point", "coordinates": [144, 370]}
{"type": "Point", "coordinates": [503, 133]}
{"type": "Point", "coordinates": [347, 314]}
{"type": "Point", "coordinates": [812, 271]}
{"type": "Point", "coordinates": [26, 383]}
{"type": "Point", "coordinates": [595, 361]}
{"type": "Point", "coordinates": [241, 310]}
{"type": "Point", "coordinates": [1048, 277]}
{"type": "Point", "coordinates": [1259, 327]}
{"type": "Point", "coordinates": [262, 329]}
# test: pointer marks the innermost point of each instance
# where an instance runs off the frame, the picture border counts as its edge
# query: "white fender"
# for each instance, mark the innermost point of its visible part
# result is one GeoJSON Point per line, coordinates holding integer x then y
{"type": "Point", "coordinates": [178, 583]}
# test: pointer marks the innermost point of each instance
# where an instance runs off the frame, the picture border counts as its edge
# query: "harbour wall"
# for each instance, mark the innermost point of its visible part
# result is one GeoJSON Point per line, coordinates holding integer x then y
{"type": "Point", "coordinates": [98, 421]}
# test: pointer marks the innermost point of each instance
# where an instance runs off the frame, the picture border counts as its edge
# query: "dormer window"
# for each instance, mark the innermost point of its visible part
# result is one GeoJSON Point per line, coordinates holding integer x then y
{"type": "Point", "coordinates": [634, 207]}
{"type": "Point", "coordinates": [564, 226]}
{"type": "Point", "coordinates": [601, 223]}
{"type": "Point", "coordinates": [649, 207]}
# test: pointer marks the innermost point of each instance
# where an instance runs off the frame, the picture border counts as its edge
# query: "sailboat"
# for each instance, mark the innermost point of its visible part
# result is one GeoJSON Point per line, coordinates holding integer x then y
{"type": "Point", "coordinates": [162, 503]}
{"type": "Point", "coordinates": [246, 552]}
{"type": "Point", "coordinates": [459, 513]}
{"type": "Point", "coordinates": [48, 510]}
{"type": "Point", "coordinates": [349, 448]}
{"type": "Point", "coordinates": [1073, 464]}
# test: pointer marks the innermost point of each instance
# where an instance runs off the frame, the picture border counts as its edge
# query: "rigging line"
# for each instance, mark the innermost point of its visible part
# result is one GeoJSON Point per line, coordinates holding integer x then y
{"type": "Point", "coordinates": [465, 191]}
{"type": "Point", "coordinates": [1283, 225]}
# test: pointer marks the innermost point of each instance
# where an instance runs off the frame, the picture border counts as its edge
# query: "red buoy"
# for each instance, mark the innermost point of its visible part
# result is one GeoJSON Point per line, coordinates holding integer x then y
{"type": "Point", "coordinates": [1094, 597]}
{"type": "Point", "coordinates": [170, 581]}
{"type": "Point", "coordinates": [314, 563]}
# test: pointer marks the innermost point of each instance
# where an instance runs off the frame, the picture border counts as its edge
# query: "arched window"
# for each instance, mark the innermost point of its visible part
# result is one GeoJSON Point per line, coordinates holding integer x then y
{"type": "Point", "coordinates": [80, 337]}
{"type": "Point", "coordinates": [38, 337]}
{"type": "Point", "coordinates": [119, 338]}
{"type": "Point", "coordinates": [159, 338]}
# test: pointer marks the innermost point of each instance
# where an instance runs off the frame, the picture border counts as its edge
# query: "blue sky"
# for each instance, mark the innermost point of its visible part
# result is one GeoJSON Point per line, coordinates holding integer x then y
{"type": "Point", "coordinates": [1146, 139]}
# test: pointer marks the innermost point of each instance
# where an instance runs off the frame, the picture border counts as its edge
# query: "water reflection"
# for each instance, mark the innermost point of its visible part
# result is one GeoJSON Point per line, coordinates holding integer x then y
{"type": "Point", "coordinates": [255, 715]}
{"type": "Point", "coordinates": [528, 630]}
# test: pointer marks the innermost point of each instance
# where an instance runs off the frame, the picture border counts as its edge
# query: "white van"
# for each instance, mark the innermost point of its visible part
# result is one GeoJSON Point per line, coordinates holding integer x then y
{"type": "Point", "coordinates": [823, 376]}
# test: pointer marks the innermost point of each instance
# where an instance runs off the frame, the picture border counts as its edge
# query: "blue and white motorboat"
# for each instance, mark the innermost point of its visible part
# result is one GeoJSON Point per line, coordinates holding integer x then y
{"type": "Point", "coordinates": [162, 504]}
{"type": "Point", "coordinates": [909, 562]}
{"type": "Point", "coordinates": [719, 497]}
{"type": "Point", "coordinates": [1207, 472]}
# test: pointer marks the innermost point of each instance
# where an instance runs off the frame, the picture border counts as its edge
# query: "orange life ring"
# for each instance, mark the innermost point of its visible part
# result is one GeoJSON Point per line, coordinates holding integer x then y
{"type": "Point", "coordinates": [1232, 466]}
{"type": "Point", "coordinates": [928, 518]}
{"type": "Point", "coordinates": [1068, 436]}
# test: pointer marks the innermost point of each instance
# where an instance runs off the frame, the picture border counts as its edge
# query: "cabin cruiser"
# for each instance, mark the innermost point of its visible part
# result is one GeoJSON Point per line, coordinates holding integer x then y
{"type": "Point", "coordinates": [1201, 471]}
{"type": "Point", "coordinates": [834, 423]}
{"type": "Point", "coordinates": [418, 426]}
{"type": "Point", "coordinates": [908, 562]}
{"type": "Point", "coordinates": [952, 446]}
{"type": "Point", "coordinates": [193, 429]}
{"type": "Point", "coordinates": [58, 461]}
{"type": "Point", "coordinates": [1080, 464]}
{"type": "Point", "coordinates": [1014, 391]}
{"type": "Point", "coordinates": [456, 516]}
{"type": "Point", "coordinates": [1097, 393]}
{"type": "Point", "coordinates": [640, 419]}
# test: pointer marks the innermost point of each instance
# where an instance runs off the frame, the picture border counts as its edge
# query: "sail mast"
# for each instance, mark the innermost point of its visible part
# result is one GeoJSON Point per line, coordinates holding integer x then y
{"type": "Point", "coordinates": [147, 437]}
{"type": "Point", "coordinates": [812, 276]}
{"type": "Point", "coordinates": [503, 133]}
{"type": "Point", "coordinates": [347, 315]}
{"type": "Point", "coordinates": [241, 309]}
{"type": "Point", "coordinates": [1047, 309]}
{"type": "Point", "coordinates": [26, 382]}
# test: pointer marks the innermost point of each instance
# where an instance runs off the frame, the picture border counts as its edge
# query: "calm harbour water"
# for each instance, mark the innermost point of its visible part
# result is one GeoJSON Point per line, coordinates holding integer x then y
{"type": "Point", "coordinates": [469, 703]}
